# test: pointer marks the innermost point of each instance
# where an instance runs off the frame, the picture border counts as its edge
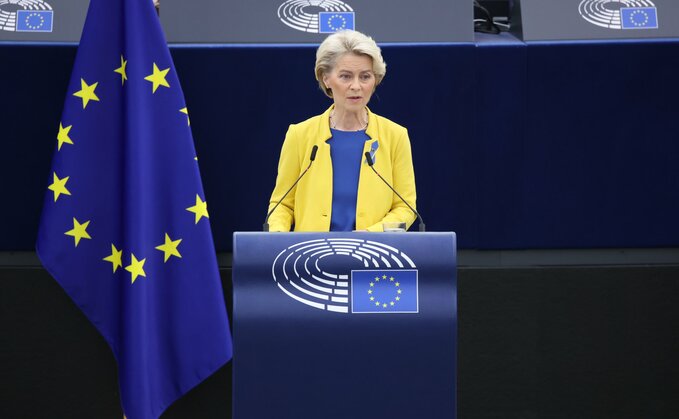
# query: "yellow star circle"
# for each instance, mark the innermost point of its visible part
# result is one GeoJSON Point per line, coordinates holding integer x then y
{"type": "Point", "coordinates": [86, 92]}
{"type": "Point", "coordinates": [170, 247]}
{"type": "Point", "coordinates": [58, 186]}
{"type": "Point", "coordinates": [63, 137]}
{"type": "Point", "coordinates": [116, 258]}
{"type": "Point", "coordinates": [136, 268]}
{"type": "Point", "coordinates": [200, 209]}
{"type": "Point", "coordinates": [186, 111]}
{"type": "Point", "coordinates": [122, 70]}
{"type": "Point", "coordinates": [157, 77]}
{"type": "Point", "coordinates": [79, 231]}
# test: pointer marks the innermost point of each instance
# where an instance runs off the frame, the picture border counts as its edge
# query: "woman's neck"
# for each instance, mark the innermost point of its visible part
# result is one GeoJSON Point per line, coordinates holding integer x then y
{"type": "Point", "coordinates": [348, 121]}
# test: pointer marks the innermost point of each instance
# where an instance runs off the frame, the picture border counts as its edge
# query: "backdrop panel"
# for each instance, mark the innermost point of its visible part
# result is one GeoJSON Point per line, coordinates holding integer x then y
{"type": "Point", "coordinates": [42, 20]}
{"type": "Point", "coordinates": [303, 21]}
{"type": "Point", "coordinates": [595, 19]}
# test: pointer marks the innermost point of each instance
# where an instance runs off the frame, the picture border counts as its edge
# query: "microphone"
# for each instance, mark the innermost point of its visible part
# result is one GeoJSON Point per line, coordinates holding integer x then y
{"type": "Point", "coordinates": [314, 150]}
{"type": "Point", "coordinates": [370, 161]}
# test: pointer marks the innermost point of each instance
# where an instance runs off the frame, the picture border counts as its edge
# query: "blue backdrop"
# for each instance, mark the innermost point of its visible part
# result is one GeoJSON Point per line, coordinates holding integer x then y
{"type": "Point", "coordinates": [515, 145]}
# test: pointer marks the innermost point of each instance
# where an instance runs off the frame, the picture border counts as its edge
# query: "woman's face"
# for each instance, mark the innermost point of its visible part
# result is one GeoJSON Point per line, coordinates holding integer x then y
{"type": "Point", "coordinates": [352, 82]}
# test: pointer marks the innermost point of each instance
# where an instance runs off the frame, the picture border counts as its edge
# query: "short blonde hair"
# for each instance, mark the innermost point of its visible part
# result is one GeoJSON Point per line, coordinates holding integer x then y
{"type": "Point", "coordinates": [347, 42]}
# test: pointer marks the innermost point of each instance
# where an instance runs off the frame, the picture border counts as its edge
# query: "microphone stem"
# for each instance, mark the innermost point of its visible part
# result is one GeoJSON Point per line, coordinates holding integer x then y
{"type": "Point", "coordinates": [265, 226]}
{"type": "Point", "coordinates": [421, 227]}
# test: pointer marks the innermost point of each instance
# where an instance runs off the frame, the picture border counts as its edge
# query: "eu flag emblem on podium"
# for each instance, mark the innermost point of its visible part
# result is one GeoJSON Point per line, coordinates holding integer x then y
{"type": "Point", "coordinates": [125, 227]}
{"type": "Point", "coordinates": [384, 291]}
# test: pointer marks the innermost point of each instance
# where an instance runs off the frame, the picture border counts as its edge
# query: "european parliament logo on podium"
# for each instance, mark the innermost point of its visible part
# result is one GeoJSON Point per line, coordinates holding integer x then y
{"type": "Point", "coordinates": [384, 291]}
{"type": "Point", "coordinates": [345, 275]}
{"type": "Point", "coordinates": [393, 326]}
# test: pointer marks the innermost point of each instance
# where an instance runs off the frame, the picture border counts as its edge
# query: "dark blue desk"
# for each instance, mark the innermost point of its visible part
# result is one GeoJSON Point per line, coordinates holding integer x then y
{"type": "Point", "coordinates": [539, 145]}
{"type": "Point", "coordinates": [344, 325]}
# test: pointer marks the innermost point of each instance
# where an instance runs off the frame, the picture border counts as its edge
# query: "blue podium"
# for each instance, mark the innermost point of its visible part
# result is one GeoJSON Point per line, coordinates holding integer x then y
{"type": "Point", "coordinates": [344, 325]}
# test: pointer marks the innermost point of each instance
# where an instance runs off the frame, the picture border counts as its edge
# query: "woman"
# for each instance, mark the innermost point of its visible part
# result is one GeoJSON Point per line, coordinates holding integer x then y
{"type": "Point", "coordinates": [340, 192]}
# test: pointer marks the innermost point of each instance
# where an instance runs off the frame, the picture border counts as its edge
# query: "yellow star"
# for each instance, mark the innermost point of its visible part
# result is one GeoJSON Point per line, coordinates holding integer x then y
{"type": "Point", "coordinates": [63, 137]}
{"type": "Point", "coordinates": [372, 298]}
{"type": "Point", "coordinates": [377, 278]}
{"type": "Point", "coordinates": [86, 92]}
{"type": "Point", "coordinates": [397, 298]}
{"type": "Point", "coordinates": [58, 186]}
{"type": "Point", "coordinates": [370, 291]}
{"type": "Point", "coordinates": [121, 70]}
{"type": "Point", "coordinates": [200, 209]}
{"type": "Point", "coordinates": [391, 303]}
{"type": "Point", "coordinates": [79, 231]}
{"type": "Point", "coordinates": [399, 291]}
{"type": "Point", "coordinates": [384, 305]}
{"type": "Point", "coordinates": [136, 268]}
{"type": "Point", "coordinates": [391, 279]}
{"type": "Point", "coordinates": [186, 111]}
{"type": "Point", "coordinates": [169, 247]}
{"type": "Point", "coordinates": [372, 284]}
{"type": "Point", "coordinates": [116, 258]}
{"type": "Point", "coordinates": [398, 284]}
{"type": "Point", "coordinates": [384, 277]}
{"type": "Point", "coordinates": [377, 303]}
{"type": "Point", "coordinates": [157, 77]}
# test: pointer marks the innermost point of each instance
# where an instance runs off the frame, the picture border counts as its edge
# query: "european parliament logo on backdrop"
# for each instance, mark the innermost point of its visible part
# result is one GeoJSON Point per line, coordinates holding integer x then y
{"type": "Point", "coordinates": [333, 22]}
{"type": "Point", "coordinates": [34, 21]}
{"type": "Point", "coordinates": [316, 16]}
{"type": "Point", "coordinates": [639, 18]}
{"type": "Point", "coordinates": [26, 16]}
{"type": "Point", "coordinates": [620, 14]}
{"type": "Point", "coordinates": [345, 275]}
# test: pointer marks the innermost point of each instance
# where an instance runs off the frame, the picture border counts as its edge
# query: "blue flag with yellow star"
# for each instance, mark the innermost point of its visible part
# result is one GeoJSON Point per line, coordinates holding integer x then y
{"type": "Point", "coordinates": [125, 228]}
{"type": "Point", "coordinates": [384, 291]}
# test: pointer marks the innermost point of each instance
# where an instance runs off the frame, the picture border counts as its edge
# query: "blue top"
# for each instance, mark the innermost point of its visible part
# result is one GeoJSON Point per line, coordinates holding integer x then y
{"type": "Point", "coordinates": [346, 152]}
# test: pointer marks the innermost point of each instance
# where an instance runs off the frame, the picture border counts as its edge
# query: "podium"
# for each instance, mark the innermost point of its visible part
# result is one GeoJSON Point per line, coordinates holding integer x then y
{"type": "Point", "coordinates": [344, 325]}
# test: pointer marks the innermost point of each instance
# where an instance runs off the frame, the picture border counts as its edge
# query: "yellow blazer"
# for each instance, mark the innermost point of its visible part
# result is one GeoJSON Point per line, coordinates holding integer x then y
{"type": "Point", "coordinates": [308, 206]}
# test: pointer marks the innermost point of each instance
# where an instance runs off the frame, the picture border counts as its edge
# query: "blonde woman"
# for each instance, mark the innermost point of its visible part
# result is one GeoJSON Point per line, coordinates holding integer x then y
{"type": "Point", "coordinates": [340, 192]}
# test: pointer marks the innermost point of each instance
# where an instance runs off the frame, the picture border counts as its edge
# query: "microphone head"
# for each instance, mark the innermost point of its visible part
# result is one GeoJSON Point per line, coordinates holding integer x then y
{"type": "Point", "coordinates": [314, 150]}
{"type": "Point", "coordinates": [369, 158]}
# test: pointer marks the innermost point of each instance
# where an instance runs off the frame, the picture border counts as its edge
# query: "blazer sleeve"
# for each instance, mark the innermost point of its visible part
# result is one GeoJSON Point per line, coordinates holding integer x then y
{"type": "Point", "coordinates": [403, 176]}
{"type": "Point", "coordinates": [289, 168]}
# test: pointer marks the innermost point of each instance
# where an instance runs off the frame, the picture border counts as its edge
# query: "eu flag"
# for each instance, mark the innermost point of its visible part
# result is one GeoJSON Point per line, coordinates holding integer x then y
{"type": "Point", "coordinates": [384, 291]}
{"type": "Point", "coordinates": [34, 20]}
{"type": "Point", "coordinates": [639, 17]}
{"type": "Point", "coordinates": [125, 228]}
{"type": "Point", "coordinates": [330, 22]}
